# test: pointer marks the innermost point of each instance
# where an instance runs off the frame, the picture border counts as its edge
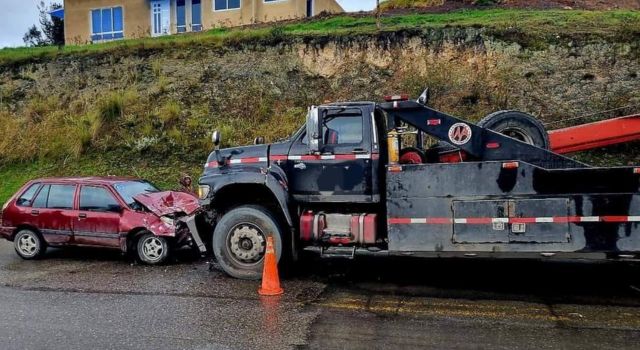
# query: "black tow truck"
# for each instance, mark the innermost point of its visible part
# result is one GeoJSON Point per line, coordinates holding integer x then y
{"type": "Point", "coordinates": [400, 178]}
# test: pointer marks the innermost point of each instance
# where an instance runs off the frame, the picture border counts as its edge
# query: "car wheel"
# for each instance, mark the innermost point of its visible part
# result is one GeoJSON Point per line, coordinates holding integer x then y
{"type": "Point", "coordinates": [29, 244]}
{"type": "Point", "coordinates": [518, 125]}
{"type": "Point", "coordinates": [240, 238]}
{"type": "Point", "coordinates": [152, 249]}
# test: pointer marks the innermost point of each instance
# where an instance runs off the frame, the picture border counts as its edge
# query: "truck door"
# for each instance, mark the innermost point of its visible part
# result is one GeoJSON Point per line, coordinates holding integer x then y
{"type": "Point", "coordinates": [343, 170]}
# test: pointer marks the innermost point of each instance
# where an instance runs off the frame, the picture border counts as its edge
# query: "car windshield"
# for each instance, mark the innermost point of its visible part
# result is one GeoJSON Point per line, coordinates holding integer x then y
{"type": "Point", "coordinates": [127, 190]}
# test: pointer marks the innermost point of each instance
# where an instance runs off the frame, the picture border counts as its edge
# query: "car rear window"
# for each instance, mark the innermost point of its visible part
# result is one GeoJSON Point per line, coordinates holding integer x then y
{"type": "Point", "coordinates": [27, 197]}
{"type": "Point", "coordinates": [97, 199]}
{"type": "Point", "coordinates": [55, 197]}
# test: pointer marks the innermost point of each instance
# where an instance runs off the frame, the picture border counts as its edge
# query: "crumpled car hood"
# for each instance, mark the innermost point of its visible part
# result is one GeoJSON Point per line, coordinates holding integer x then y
{"type": "Point", "coordinates": [168, 202]}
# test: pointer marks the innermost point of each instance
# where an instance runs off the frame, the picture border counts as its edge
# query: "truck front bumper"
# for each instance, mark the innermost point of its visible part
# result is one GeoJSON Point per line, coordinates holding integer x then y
{"type": "Point", "coordinates": [190, 221]}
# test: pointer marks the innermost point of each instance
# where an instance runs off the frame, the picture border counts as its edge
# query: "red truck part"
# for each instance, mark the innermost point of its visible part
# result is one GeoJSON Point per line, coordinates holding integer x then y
{"type": "Point", "coordinates": [595, 135]}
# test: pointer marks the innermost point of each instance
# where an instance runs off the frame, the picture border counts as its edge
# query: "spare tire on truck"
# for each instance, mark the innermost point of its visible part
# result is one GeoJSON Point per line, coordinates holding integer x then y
{"type": "Point", "coordinates": [518, 125]}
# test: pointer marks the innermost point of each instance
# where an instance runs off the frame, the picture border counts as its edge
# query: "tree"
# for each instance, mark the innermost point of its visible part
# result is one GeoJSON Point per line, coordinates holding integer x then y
{"type": "Point", "coordinates": [51, 30]}
{"type": "Point", "coordinates": [33, 37]}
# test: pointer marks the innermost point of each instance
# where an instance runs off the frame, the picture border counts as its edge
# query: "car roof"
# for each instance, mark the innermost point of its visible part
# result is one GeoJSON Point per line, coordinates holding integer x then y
{"type": "Point", "coordinates": [94, 180]}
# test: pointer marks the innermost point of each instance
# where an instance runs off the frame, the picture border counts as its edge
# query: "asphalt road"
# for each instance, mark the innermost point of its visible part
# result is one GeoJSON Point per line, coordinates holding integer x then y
{"type": "Point", "coordinates": [83, 298]}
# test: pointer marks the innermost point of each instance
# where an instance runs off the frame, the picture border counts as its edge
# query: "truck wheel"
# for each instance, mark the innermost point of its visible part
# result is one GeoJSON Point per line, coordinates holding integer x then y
{"type": "Point", "coordinates": [29, 244]}
{"type": "Point", "coordinates": [240, 238]}
{"type": "Point", "coordinates": [518, 125]}
{"type": "Point", "coordinates": [152, 249]}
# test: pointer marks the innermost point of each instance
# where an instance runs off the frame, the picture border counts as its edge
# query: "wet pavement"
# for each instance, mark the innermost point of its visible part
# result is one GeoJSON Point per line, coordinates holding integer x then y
{"type": "Point", "coordinates": [85, 298]}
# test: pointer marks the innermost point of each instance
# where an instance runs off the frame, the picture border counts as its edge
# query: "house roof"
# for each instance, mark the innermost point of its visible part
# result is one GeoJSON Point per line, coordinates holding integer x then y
{"type": "Point", "coordinates": [58, 13]}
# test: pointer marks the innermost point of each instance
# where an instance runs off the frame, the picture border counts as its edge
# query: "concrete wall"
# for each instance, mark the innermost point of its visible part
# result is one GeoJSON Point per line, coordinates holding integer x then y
{"type": "Point", "coordinates": [77, 18]}
{"type": "Point", "coordinates": [137, 16]}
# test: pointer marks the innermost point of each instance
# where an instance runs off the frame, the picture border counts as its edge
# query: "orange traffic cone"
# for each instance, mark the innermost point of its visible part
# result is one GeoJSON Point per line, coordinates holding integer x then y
{"type": "Point", "coordinates": [270, 278]}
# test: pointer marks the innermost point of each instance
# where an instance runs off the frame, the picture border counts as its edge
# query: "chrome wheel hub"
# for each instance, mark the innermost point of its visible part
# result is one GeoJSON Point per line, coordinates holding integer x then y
{"type": "Point", "coordinates": [27, 245]}
{"type": "Point", "coordinates": [247, 243]}
{"type": "Point", "coordinates": [152, 248]}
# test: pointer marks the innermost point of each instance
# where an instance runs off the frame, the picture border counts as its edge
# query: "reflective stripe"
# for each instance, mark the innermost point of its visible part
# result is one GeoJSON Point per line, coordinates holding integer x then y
{"type": "Point", "coordinates": [311, 157]}
{"type": "Point", "coordinates": [547, 219]}
{"type": "Point", "coordinates": [525, 220]}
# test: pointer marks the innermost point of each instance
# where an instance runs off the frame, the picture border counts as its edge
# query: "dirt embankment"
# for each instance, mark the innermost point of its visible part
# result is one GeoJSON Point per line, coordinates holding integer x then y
{"type": "Point", "coordinates": [164, 102]}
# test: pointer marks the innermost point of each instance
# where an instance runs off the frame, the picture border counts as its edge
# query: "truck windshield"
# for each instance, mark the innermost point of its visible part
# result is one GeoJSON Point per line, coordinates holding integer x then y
{"type": "Point", "coordinates": [127, 190]}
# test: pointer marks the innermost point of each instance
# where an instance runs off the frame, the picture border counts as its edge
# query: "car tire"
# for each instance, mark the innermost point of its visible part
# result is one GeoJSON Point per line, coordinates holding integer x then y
{"type": "Point", "coordinates": [29, 244]}
{"type": "Point", "coordinates": [152, 249]}
{"type": "Point", "coordinates": [518, 125]}
{"type": "Point", "coordinates": [239, 241]}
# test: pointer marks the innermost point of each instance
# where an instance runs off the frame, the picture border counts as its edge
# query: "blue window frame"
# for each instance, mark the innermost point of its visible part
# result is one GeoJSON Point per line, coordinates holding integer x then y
{"type": "Point", "coordinates": [107, 24]}
{"type": "Point", "coordinates": [181, 16]}
{"type": "Point", "coordinates": [196, 15]}
{"type": "Point", "coordinates": [220, 5]}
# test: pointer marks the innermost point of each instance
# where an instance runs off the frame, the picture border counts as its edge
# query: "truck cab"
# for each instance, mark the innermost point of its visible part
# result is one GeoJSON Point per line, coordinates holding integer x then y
{"type": "Point", "coordinates": [361, 178]}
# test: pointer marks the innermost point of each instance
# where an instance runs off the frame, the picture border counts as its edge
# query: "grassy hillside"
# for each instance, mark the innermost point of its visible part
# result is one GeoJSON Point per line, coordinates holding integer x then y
{"type": "Point", "coordinates": [447, 5]}
{"type": "Point", "coordinates": [146, 107]}
{"type": "Point", "coordinates": [529, 23]}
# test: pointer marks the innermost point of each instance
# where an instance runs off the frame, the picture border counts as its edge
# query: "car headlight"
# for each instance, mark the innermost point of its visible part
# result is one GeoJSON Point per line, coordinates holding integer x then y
{"type": "Point", "coordinates": [167, 221]}
{"type": "Point", "coordinates": [203, 191]}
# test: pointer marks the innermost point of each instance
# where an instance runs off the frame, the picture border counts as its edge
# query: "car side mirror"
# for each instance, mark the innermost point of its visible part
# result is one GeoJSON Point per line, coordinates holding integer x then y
{"type": "Point", "coordinates": [258, 140]}
{"type": "Point", "coordinates": [215, 138]}
{"type": "Point", "coordinates": [314, 131]}
{"type": "Point", "coordinates": [424, 97]}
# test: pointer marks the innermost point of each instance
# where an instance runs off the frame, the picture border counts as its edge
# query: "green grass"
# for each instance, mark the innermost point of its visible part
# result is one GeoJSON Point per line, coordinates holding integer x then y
{"type": "Point", "coordinates": [529, 22]}
{"type": "Point", "coordinates": [164, 174]}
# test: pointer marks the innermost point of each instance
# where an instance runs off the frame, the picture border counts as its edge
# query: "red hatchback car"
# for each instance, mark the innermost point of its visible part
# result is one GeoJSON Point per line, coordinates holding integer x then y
{"type": "Point", "coordinates": [121, 213]}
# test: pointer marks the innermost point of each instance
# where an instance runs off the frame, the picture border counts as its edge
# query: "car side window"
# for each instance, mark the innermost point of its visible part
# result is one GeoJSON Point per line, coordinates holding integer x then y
{"type": "Point", "coordinates": [41, 200]}
{"type": "Point", "coordinates": [61, 197]}
{"type": "Point", "coordinates": [26, 199]}
{"type": "Point", "coordinates": [97, 199]}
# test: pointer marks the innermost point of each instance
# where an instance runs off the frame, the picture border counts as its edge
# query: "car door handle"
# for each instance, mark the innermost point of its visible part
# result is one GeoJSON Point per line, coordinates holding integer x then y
{"type": "Point", "coordinates": [82, 216]}
{"type": "Point", "coordinates": [300, 166]}
{"type": "Point", "coordinates": [35, 212]}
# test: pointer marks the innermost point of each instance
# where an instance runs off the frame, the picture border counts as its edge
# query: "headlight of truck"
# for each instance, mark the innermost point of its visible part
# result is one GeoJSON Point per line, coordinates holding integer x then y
{"type": "Point", "coordinates": [203, 191]}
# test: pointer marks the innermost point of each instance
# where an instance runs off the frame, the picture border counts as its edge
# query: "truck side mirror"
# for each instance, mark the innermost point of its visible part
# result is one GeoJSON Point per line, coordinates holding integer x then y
{"type": "Point", "coordinates": [215, 137]}
{"type": "Point", "coordinates": [314, 131]}
{"type": "Point", "coordinates": [424, 97]}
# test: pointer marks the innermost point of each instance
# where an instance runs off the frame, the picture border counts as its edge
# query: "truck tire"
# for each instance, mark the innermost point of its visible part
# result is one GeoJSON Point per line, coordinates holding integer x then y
{"type": "Point", "coordinates": [240, 238]}
{"type": "Point", "coordinates": [518, 125]}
